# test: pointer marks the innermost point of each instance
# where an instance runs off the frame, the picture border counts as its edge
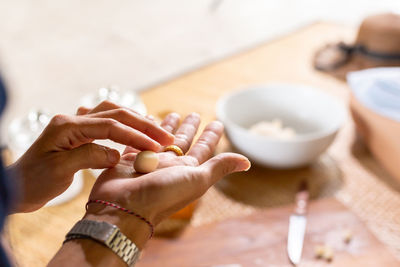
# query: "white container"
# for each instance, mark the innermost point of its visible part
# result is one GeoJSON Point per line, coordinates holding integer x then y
{"type": "Point", "coordinates": [315, 116]}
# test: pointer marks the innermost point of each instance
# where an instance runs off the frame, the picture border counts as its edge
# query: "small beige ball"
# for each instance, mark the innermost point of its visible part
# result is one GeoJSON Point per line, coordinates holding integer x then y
{"type": "Point", "coordinates": [146, 161]}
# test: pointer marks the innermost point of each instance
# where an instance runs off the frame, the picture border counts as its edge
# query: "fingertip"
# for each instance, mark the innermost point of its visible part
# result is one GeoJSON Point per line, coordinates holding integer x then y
{"type": "Point", "coordinates": [195, 114]}
{"type": "Point", "coordinates": [174, 115]}
{"type": "Point", "coordinates": [215, 126]}
{"type": "Point", "coordinates": [224, 164]}
{"type": "Point", "coordinates": [193, 118]}
{"type": "Point", "coordinates": [220, 124]}
{"type": "Point", "coordinates": [82, 110]}
{"type": "Point", "coordinates": [243, 165]}
{"type": "Point", "coordinates": [113, 156]}
{"type": "Point", "coordinates": [170, 139]}
{"type": "Point", "coordinates": [129, 149]}
{"type": "Point", "coordinates": [155, 147]}
{"type": "Point", "coordinates": [129, 156]}
{"type": "Point", "coordinates": [241, 162]}
{"type": "Point", "coordinates": [165, 138]}
{"type": "Point", "coordinates": [150, 117]}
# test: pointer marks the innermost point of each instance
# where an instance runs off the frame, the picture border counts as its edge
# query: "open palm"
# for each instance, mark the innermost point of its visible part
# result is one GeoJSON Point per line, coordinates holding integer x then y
{"type": "Point", "coordinates": [177, 180]}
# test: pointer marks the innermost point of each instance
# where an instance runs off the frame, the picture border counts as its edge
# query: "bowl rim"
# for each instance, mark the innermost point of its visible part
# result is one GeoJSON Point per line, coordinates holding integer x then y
{"type": "Point", "coordinates": [221, 115]}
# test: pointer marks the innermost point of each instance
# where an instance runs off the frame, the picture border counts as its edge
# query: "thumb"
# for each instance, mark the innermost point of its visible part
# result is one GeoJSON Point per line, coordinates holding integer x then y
{"type": "Point", "coordinates": [224, 164]}
{"type": "Point", "coordinates": [92, 156]}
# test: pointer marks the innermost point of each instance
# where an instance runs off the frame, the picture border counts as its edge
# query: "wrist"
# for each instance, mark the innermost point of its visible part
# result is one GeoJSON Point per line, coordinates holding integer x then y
{"type": "Point", "coordinates": [27, 195]}
{"type": "Point", "coordinates": [17, 184]}
{"type": "Point", "coordinates": [132, 227]}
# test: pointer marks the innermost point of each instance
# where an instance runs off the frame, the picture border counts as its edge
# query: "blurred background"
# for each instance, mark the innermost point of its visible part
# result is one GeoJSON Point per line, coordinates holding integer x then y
{"type": "Point", "coordinates": [54, 52]}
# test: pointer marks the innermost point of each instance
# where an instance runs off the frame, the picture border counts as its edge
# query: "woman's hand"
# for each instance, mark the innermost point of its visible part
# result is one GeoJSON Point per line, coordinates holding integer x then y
{"type": "Point", "coordinates": [66, 146]}
{"type": "Point", "coordinates": [176, 182]}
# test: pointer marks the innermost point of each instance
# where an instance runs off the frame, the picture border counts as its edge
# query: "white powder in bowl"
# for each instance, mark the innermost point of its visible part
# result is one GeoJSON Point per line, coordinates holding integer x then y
{"type": "Point", "coordinates": [274, 129]}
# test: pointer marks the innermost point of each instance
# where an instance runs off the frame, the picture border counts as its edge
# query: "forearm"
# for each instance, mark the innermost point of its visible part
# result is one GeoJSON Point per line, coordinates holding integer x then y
{"type": "Point", "coordinates": [87, 252]}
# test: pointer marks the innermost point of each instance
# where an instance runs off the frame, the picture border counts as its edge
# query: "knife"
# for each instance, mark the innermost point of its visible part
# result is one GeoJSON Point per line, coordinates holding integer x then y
{"type": "Point", "coordinates": [297, 225]}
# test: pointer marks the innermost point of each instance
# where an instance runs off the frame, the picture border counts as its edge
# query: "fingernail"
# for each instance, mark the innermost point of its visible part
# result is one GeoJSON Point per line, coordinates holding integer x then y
{"type": "Point", "coordinates": [156, 147]}
{"type": "Point", "coordinates": [171, 139]}
{"type": "Point", "coordinates": [113, 156]}
{"type": "Point", "coordinates": [244, 165]}
{"type": "Point", "coordinates": [174, 114]}
{"type": "Point", "coordinates": [219, 123]}
{"type": "Point", "coordinates": [150, 117]}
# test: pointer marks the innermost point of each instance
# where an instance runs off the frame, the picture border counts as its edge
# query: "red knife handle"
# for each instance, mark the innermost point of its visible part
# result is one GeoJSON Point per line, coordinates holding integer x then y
{"type": "Point", "coordinates": [302, 200]}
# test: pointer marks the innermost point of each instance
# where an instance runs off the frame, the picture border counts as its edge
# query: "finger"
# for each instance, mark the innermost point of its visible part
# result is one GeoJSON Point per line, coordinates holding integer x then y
{"type": "Point", "coordinates": [168, 160]}
{"type": "Point", "coordinates": [186, 132]}
{"type": "Point", "coordinates": [120, 133]}
{"type": "Point", "coordinates": [171, 122]}
{"type": "Point", "coordinates": [92, 156]}
{"type": "Point", "coordinates": [192, 182]}
{"type": "Point", "coordinates": [129, 149]}
{"type": "Point", "coordinates": [129, 157]}
{"type": "Point", "coordinates": [205, 146]}
{"type": "Point", "coordinates": [222, 165]}
{"type": "Point", "coordinates": [150, 117]}
{"type": "Point", "coordinates": [83, 111]}
{"type": "Point", "coordinates": [138, 122]}
{"type": "Point", "coordinates": [76, 131]}
{"type": "Point", "coordinates": [108, 105]}
{"type": "Point", "coordinates": [104, 105]}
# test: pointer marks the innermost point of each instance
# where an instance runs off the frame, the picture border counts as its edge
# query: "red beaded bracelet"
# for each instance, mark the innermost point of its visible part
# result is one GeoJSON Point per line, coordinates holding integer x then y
{"type": "Point", "coordinates": [110, 204]}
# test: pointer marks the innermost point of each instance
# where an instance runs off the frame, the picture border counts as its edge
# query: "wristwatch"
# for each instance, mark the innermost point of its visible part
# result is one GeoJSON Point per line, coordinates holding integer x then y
{"type": "Point", "coordinates": [107, 234]}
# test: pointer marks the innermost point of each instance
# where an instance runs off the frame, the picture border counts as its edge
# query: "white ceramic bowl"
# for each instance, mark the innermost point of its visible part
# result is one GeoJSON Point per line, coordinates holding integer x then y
{"type": "Point", "coordinates": [315, 116]}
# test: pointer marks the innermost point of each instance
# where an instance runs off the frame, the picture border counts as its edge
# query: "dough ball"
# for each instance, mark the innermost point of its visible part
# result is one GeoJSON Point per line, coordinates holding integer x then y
{"type": "Point", "coordinates": [146, 161]}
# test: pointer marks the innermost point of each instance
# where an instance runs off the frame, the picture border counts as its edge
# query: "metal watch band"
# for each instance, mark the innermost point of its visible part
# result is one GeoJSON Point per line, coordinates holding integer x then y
{"type": "Point", "coordinates": [107, 234]}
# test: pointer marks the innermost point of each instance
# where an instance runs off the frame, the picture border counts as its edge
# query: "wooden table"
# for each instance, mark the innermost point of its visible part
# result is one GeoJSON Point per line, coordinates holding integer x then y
{"type": "Point", "coordinates": [35, 237]}
{"type": "Point", "coordinates": [260, 239]}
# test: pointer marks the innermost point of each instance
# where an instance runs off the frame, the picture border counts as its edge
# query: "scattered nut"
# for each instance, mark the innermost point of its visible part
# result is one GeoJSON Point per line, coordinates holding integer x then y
{"type": "Point", "coordinates": [146, 161]}
{"type": "Point", "coordinates": [347, 236]}
{"type": "Point", "coordinates": [323, 252]}
{"type": "Point", "coordinates": [328, 254]}
{"type": "Point", "coordinates": [319, 251]}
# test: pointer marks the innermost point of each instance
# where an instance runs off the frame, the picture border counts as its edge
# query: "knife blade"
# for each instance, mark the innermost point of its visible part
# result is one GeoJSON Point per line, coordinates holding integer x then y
{"type": "Point", "coordinates": [297, 225]}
